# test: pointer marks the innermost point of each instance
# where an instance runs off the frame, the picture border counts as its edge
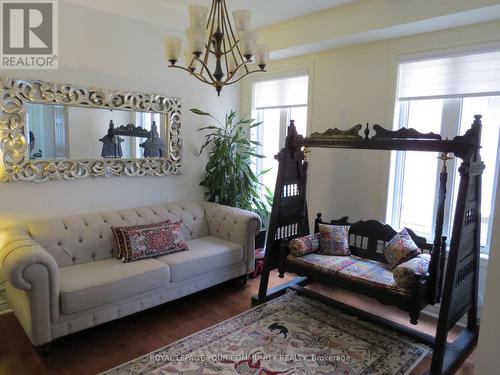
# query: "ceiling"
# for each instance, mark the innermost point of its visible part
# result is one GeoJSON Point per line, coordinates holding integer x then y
{"type": "Point", "coordinates": [173, 14]}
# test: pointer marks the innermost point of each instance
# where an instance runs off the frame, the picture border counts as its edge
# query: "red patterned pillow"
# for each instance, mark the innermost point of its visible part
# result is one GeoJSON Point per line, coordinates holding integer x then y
{"type": "Point", "coordinates": [153, 241]}
{"type": "Point", "coordinates": [118, 240]}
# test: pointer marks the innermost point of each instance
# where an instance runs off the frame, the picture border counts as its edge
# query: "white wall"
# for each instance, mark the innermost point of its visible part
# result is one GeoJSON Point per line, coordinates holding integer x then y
{"type": "Point", "coordinates": [100, 50]}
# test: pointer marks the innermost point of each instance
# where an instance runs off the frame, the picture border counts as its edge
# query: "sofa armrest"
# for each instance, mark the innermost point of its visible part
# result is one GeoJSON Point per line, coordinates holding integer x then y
{"type": "Point", "coordinates": [236, 225]}
{"type": "Point", "coordinates": [33, 275]}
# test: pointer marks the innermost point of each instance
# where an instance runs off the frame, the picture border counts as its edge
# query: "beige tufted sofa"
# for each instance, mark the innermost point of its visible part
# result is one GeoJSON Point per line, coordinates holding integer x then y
{"type": "Point", "coordinates": [62, 277]}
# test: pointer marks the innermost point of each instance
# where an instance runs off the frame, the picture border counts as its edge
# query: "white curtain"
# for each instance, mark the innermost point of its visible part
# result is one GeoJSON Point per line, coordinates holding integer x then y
{"type": "Point", "coordinates": [286, 92]}
{"type": "Point", "coordinates": [469, 75]}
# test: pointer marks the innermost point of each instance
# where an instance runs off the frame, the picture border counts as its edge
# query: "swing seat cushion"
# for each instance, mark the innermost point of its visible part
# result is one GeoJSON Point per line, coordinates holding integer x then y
{"type": "Point", "coordinates": [371, 273]}
{"type": "Point", "coordinates": [352, 268]}
{"type": "Point", "coordinates": [329, 264]}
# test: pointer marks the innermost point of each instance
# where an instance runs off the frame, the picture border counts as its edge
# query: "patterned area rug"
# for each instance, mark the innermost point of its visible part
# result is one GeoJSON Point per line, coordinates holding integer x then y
{"type": "Point", "coordinates": [292, 334]}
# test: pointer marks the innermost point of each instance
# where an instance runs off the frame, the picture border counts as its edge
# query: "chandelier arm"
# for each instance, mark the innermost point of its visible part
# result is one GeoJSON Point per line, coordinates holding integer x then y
{"type": "Point", "coordinates": [197, 75]}
{"type": "Point", "coordinates": [233, 46]}
{"type": "Point", "coordinates": [206, 68]}
{"type": "Point", "coordinates": [243, 76]}
{"type": "Point", "coordinates": [213, 12]}
{"type": "Point", "coordinates": [210, 15]}
{"type": "Point", "coordinates": [224, 54]}
{"type": "Point", "coordinates": [236, 70]}
{"type": "Point", "coordinates": [234, 38]}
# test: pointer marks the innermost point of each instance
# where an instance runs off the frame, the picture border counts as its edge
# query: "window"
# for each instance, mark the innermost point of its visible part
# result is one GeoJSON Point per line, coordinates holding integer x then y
{"type": "Point", "coordinates": [275, 103]}
{"type": "Point", "coordinates": [442, 96]}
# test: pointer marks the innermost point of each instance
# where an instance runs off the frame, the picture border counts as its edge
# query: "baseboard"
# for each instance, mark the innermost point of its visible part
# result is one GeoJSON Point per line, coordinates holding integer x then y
{"type": "Point", "coordinates": [433, 311]}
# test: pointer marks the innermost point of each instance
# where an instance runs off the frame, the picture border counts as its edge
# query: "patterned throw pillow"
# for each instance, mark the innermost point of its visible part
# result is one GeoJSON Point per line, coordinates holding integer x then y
{"type": "Point", "coordinates": [118, 240]}
{"type": "Point", "coordinates": [334, 239]}
{"type": "Point", "coordinates": [153, 241]}
{"type": "Point", "coordinates": [408, 273]}
{"type": "Point", "coordinates": [400, 249]}
{"type": "Point", "coordinates": [304, 245]}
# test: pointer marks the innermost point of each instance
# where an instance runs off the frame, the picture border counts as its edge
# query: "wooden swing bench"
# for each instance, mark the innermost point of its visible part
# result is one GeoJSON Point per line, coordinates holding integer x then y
{"type": "Point", "coordinates": [452, 282]}
{"type": "Point", "coordinates": [366, 270]}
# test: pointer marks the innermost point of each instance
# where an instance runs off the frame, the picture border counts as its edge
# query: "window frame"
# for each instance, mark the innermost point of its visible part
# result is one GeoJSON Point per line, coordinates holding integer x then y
{"type": "Point", "coordinates": [450, 127]}
{"type": "Point", "coordinates": [285, 112]}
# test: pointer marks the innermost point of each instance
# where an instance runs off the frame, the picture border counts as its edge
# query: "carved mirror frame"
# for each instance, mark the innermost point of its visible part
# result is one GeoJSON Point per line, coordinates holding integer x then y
{"type": "Point", "coordinates": [16, 93]}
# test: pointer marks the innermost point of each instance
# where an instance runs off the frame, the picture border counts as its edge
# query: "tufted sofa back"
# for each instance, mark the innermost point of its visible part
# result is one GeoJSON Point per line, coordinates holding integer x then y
{"type": "Point", "coordinates": [87, 238]}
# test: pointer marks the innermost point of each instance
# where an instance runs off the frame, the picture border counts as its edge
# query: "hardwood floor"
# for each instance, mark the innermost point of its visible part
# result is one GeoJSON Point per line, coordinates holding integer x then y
{"type": "Point", "coordinates": [113, 343]}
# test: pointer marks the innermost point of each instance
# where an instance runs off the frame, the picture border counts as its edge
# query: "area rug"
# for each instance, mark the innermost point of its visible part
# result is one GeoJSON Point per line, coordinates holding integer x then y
{"type": "Point", "coordinates": [292, 334]}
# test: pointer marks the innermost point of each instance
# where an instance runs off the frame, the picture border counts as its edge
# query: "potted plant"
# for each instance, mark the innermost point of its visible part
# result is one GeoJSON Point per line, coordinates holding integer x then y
{"type": "Point", "coordinates": [229, 178]}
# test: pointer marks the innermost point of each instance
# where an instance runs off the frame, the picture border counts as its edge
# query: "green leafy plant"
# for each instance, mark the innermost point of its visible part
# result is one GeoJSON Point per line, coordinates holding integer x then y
{"type": "Point", "coordinates": [229, 178]}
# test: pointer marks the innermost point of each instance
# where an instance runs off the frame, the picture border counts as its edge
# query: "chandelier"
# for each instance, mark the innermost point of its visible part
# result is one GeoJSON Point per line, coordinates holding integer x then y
{"type": "Point", "coordinates": [214, 43]}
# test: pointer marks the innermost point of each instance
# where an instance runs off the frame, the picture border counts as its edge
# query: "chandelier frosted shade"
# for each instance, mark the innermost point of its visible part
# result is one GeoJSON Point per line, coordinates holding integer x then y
{"type": "Point", "coordinates": [242, 20]}
{"type": "Point", "coordinates": [218, 53]}
{"type": "Point", "coordinates": [198, 15]}
{"type": "Point", "coordinates": [173, 48]}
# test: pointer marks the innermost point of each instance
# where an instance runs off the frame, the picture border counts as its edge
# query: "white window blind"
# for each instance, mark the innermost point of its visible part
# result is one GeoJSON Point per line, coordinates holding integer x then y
{"type": "Point", "coordinates": [470, 75]}
{"type": "Point", "coordinates": [287, 92]}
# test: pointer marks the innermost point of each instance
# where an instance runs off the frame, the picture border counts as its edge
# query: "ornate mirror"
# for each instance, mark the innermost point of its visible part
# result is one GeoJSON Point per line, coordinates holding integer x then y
{"type": "Point", "coordinates": [52, 131]}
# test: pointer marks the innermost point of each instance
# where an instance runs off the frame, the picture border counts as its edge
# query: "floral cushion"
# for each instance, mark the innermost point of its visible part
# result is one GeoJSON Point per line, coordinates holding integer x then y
{"type": "Point", "coordinates": [371, 273]}
{"type": "Point", "coordinates": [152, 241]}
{"type": "Point", "coordinates": [304, 245]}
{"type": "Point", "coordinates": [118, 240]}
{"type": "Point", "coordinates": [400, 249]}
{"type": "Point", "coordinates": [334, 239]}
{"type": "Point", "coordinates": [329, 264]}
{"type": "Point", "coordinates": [408, 273]}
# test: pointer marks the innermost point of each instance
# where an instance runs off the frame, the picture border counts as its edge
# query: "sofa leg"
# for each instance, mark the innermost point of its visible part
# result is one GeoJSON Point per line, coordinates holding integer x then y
{"type": "Point", "coordinates": [244, 278]}
{"type": "Point", "coordinates": [43, 350]}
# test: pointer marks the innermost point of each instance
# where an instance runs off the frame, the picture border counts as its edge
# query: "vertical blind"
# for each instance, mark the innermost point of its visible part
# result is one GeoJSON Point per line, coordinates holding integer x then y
{"type": "Point", "coordinates": [475, 74]}
{"type": "Point", "coordinates": [287, 92]}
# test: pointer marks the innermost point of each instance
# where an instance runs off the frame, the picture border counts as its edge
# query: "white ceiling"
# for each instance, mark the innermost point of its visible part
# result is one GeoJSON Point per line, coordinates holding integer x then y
{"type": "Point", "coordinates": [173, 15]}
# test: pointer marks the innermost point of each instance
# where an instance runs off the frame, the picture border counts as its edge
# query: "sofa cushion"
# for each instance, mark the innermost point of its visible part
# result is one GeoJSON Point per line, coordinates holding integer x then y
{"type": "Point", "coordinates": [330, 264]}
{"type": "Point", "coordinates": [152, 241]}
{"type": "Point", "coordinates": [88, 285]}
{"type": "Point", "coordinates": [372, 273]}
{"type": "Point", "coordinates": [204, 255]}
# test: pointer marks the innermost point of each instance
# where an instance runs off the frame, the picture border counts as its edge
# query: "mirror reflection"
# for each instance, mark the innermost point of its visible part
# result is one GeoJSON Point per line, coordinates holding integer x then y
{"type": "Point", "coordinates": [66, 132]}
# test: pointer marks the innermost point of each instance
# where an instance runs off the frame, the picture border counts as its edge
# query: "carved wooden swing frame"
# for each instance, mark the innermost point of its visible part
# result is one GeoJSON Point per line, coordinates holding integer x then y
{"type": "Point", "coordinates": [458, 292]}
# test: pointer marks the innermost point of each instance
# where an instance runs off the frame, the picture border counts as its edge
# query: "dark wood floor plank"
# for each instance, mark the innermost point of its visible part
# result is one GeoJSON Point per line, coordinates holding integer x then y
{"type": "Point", "coordinates": [111, 344]}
